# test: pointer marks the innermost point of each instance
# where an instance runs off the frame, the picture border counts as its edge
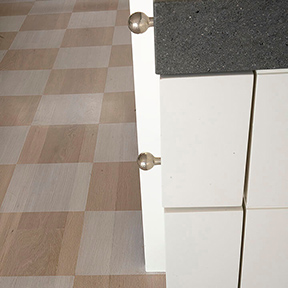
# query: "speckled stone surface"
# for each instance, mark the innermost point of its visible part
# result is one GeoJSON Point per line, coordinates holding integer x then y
{"type": "Point", "coordinates": [208, 36]}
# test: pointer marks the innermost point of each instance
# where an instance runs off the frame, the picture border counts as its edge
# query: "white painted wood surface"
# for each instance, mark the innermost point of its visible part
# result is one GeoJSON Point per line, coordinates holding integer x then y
{"type": "Point", "coordinates": [204, 136]}
{"type": "Point", "coordinates": [203, 248]}
{"type": "Point", "coordinates": [146, 84]}
{"type": "Point", "coordinates": [268, 181]}
{"type": "Point", "coordinates": [265, 259]}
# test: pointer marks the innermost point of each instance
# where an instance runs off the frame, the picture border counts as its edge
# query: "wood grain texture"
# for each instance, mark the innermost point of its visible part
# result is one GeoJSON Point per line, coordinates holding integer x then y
{"type": "Point", "coordinates": [88, 37]}
{"type": "Point", "coordinates": [118, 108]}
{"type": "Point", "coordinates": [122, 17]}
{"type": "Point", "coordinates": [29, 59]}
{"type": "Point", "coordinates": [119, 249]}
{"type": "Point", "coordinates": [31, 245]}
{"type": "Point", "coordinates": [37, 281]}
{"type": "Point", "coordinates": [88, 5]}
{"type": "Point", "coordinates": [69, 109]}
{"type": "Point", "coordinates": [49, 187]}
{"type": "Point", "coordinates": [60, 144]}
{"type": "Point", "coordinates": [2, 54]}
{"type": "Point", "coordinates": [16, 83]}
{"type": "Point", "coordinates": [121, 281]}
{"type": "Point", "coordinates": [83, 57]}
{"type": "Point", "coordinates": [51, 7]}
{"type": "Point", "coordinates": [76, 81]}
{"type": "Point", "coordinates": [92, 19]}
{"type": "Point", "coordinates": [11, 143]}
{"type": "Point", "coordinates": [123, 5]}
{"type": "Point", "coordinates": [18, 110]}
{"type": "Point", "coordinates": [7, 9]}
{"type": "Point", "coordinates": [11, 23]}
{"type": "Point", "coordinates": [46, 22]}
{"type": "Point", "coordinates": [119, 79]}
{"type": "Point", "coordinates": [121, 55]}
{"type": "Point", "coordinates": [38, 39]}
{"type": "Point", "coordinates": [6, 172]}
{"type": "Point", "coordinates": [114, 187]}
{"type": "Point", "coordinates": [116, 143]}
{"type": "Point", "coordinates": [6, 39]}
{"type": "Point", "coordinates": [122, 35]}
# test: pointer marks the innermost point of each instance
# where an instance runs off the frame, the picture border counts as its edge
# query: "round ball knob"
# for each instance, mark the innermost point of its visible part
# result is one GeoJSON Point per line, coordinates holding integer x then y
{"type": "Point", "coordinates": [139, 22]}
{"type": "Point", "coordinates": [146, 161]}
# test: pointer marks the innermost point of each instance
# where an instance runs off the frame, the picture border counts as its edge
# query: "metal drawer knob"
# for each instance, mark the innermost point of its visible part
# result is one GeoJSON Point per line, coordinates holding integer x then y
{"type": "Point", "coordinates": [146, 161]}
{"type": "Point", "coordinates": [139, 22]}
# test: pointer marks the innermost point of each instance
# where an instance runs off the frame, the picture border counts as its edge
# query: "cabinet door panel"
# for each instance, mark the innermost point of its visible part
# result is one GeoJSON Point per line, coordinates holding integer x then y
{"type": "Point", "coordinates": [203, 248]}
{"type": "Point", "coordinates": [265, 254]}
{"type": "Point", "coordinates": [268, 181]}
{"type": "Point", "coordinates": [204, 136]}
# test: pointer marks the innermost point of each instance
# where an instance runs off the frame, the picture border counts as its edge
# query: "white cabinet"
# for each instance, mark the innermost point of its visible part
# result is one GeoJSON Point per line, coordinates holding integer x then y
{"type": "Point", "coordinates": [268, 178]}
{"type": "Point", "coordinates": [203, 247]}
{"type": "Point", "coordinates": [265, 254]}
{"type": "Point", "coordinates": [146, 84]}
{"type": "Point", "coordinates": [204, 137]}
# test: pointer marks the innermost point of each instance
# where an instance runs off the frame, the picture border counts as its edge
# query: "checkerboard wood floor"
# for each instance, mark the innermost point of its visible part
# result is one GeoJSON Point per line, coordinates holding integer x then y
{"type": "Point", "coordinates": [70, 213]}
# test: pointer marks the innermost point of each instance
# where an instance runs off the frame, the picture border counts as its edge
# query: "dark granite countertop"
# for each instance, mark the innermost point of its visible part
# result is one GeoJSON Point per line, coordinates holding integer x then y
{"type": "Point", "coordinates": [210, 36]}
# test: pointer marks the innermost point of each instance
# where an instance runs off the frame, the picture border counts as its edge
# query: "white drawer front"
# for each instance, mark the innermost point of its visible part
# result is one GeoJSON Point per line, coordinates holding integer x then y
{"type": "Point", "coordinates": [268, 179]}
{"type": "Point", "coordinates": [204, 136]}
{"type": "Point", "coordinates": [265, 257]}
{"type": "Point", "coordinates": [203, 248]}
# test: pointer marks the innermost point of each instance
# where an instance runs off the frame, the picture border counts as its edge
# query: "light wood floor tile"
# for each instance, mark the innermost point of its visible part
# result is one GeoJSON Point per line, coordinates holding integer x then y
{"type": "Point", "coordinates": [11, 143]}
{"type": "Point", "coordinates": [118, 108]}
{"type": "Point", "coordinates": [68, 109]}
{"type": "Point", "coordinates": [6, 172]}
{"type": "Point", "coordinates": [121, 281]}
{"type": "Point", "coordinates": [122, 17]}
{"type": "Point", "coordinates": [16, 83]}
{"type": "Point", "coordinates": [95, 259]}
{"type": "Point", "coordinates": [121, 36]}
{"type": "Point", "coordinates": [121, 55]}
{"type": "Point", "coordinates": [88, 37]}
{"type": "Point", "coordinates": [76, 81]}
{"type": "Point", "coordinates": [48, 187]}
{"type": "Point", "coordinates": [2, 54]}
{"type": "Point", "coordinates": [114, 187]}
{"type": "Point", "coordinates": [46, 22]}
{"type": "Point", "coordinates": [6, 39]}
{"type": "Point", "coordinates": [13, 1]}
{"type": "Point", "coordinates": [11, 23]}
{"type": "Point", "coordinates": [100, 5]}
{"type": "Point", "coordinates": [35, 248]}
{"type": "Point", "coordinates": [18, 110]}
{"type": "Point", "coordinates": [116, 143]}
{"type": "Point", "coordinates": [119, 249]}
{"type": "Point", "coordinates": [7, 9]}
{"type": "Point", "coordinates": [123, 5]}
{"type": "Point", "coordinates": [37, 282]}
{"type": "Point", "coordinates": [38, 39]}
{"type": "Point", "coordinates": [59, 144]}
{"type": "Point", "coordinates": [29, 59]}
{"type": "Point", "coordinates": [51, 7]}
{"type": "Point", "coordinates": [119, 79]}
{"type": "Point", "coordinates": [92, 19]}
{"type": "Point", "coordinates": [139, 281]}
{"type": "Point", "coordinates": [83, 57]}
{"type": "Point", "coordinates": [92, 282]}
